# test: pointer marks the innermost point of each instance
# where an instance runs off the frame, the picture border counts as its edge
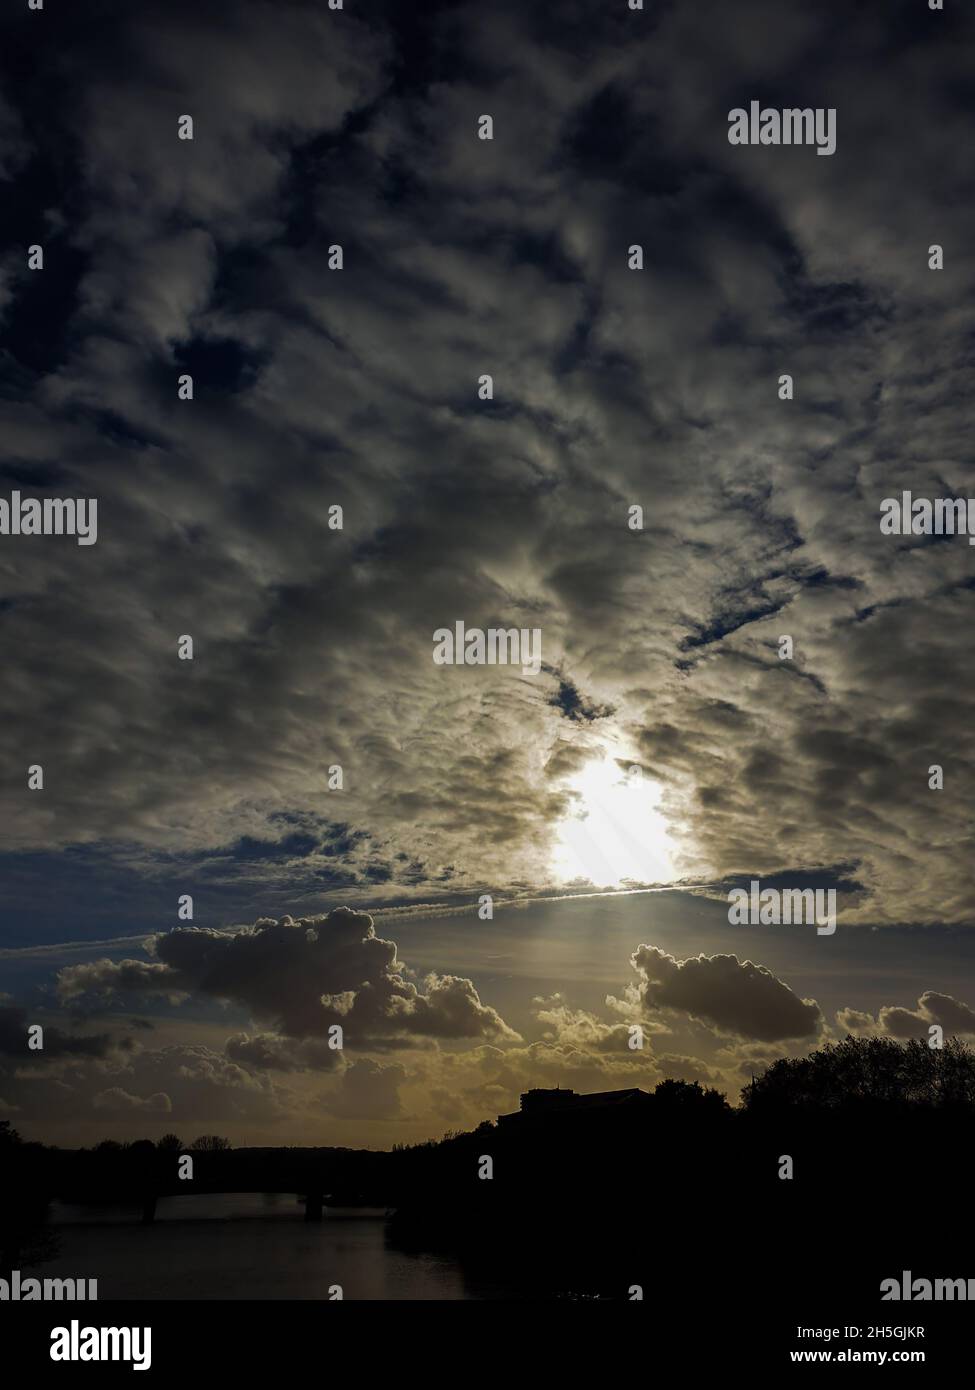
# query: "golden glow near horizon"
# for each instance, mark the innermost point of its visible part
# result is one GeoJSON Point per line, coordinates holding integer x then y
{"type": "Point", "coordinates": [615, 830]}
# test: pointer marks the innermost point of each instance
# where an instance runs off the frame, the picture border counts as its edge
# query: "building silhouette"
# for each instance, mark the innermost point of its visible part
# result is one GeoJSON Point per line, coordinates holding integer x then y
{"type": "Point", "coordinates": [541, 1106]}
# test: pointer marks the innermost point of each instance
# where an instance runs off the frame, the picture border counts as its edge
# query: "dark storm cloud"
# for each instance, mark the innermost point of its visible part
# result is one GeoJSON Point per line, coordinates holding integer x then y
{"type": "Point", "coordinates": [14, 1023]}
{"type": "Point", "coordinates": [612, 388]}
{"type": "Point", "coordinates": [733, 995]}
{"type": "Point", "coordinates": [303, 976]}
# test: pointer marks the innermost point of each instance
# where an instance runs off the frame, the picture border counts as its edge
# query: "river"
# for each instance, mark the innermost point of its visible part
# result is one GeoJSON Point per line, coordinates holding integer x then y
{"type": "Point", "coordinates": [246, 1245]}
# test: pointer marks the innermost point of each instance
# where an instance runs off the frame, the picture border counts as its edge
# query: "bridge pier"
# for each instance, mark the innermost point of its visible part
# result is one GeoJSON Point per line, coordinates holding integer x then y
{"type": "Point", "coordinates": [149, 1209]}
{"type": "Point", "coordinates": [314, 1204]}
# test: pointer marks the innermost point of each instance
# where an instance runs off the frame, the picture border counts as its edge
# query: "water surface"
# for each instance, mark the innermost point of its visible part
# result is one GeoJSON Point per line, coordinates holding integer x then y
{"type": "Point", "coordinates": [245, 1245]}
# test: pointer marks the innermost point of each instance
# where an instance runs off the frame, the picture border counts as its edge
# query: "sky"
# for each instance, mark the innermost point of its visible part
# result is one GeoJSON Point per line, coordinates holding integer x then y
{"type": "Point", "coordinates": [664, 753]}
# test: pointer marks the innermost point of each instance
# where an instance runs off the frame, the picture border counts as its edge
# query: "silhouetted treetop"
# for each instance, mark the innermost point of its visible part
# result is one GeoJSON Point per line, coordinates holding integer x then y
{"type": "Point", "coordinates": [689, 1096]}
{"type": "Point", "coordinates": [8, 1135]}
{"type": "Point", "coordinates": [868, 1072]}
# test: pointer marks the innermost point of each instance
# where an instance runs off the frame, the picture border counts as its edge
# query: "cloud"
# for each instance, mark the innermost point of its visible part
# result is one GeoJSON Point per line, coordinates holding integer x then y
{"type": "Point", "coordinates": [955, 1017]}
{"type": "Point", "coordinates": [78, 1100]}
{"type": "Point", "coordinates": [303, 976]}
{"type": "Point", "coordinates": [733, 996]}
{"type": "Point", "coordinates": [584, 1030]}
{"type": "Point", "coordinates": [857, 1022]}
{"type": "Point", "coordinates": [270, 1052]}
{"type": "Point", "coordinates": [367, 1090]}
{"type": "Point", "coordinates": [115, 977]}
{"type": "Point", "coordinates": [115, 1098]}
{"type": "Point", "coordinates": [14, 1023]}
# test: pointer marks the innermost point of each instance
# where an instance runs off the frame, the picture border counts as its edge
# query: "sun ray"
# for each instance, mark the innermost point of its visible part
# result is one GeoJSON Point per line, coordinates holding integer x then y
{"type": "Point", "coordinates": [615, 832]}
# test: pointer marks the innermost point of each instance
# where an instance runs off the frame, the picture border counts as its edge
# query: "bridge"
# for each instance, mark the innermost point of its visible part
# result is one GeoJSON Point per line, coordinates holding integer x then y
{"type": "Point", "coordinates": [140, 1177]}
{"type": "Point", "coordinates": [313, 1202]}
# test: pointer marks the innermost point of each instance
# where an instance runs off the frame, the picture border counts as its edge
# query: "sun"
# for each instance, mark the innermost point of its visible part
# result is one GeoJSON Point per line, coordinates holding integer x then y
{"type": "Point", "coordinates": [615, 831]}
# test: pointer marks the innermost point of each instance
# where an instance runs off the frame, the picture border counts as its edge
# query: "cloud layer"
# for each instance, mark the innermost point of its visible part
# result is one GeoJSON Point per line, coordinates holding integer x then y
{"type": "Point", "coordinates": [357, 387]}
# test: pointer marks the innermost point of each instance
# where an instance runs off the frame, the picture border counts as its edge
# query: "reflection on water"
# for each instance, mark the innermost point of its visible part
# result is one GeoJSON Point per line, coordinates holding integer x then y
{"type": "Point", "coordinates": [246, 1245]}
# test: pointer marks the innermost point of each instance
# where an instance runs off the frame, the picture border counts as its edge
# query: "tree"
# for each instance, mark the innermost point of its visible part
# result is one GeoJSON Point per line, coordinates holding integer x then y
{"type": "Point", "coordinates": [210, 1143]}
{"type": "Point", "coordinates": [24, 1236]}
{"type": "Point", "coordinates": [864, 1073]}
{"type": "Point", "coordinates": [689, 1096]}
{"type": "Point", "coordinates": [170, 1143]}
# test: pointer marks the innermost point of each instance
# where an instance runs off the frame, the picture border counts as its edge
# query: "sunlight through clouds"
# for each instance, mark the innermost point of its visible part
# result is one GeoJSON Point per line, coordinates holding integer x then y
{"type": "Point", "coordinates": [615, 831]}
